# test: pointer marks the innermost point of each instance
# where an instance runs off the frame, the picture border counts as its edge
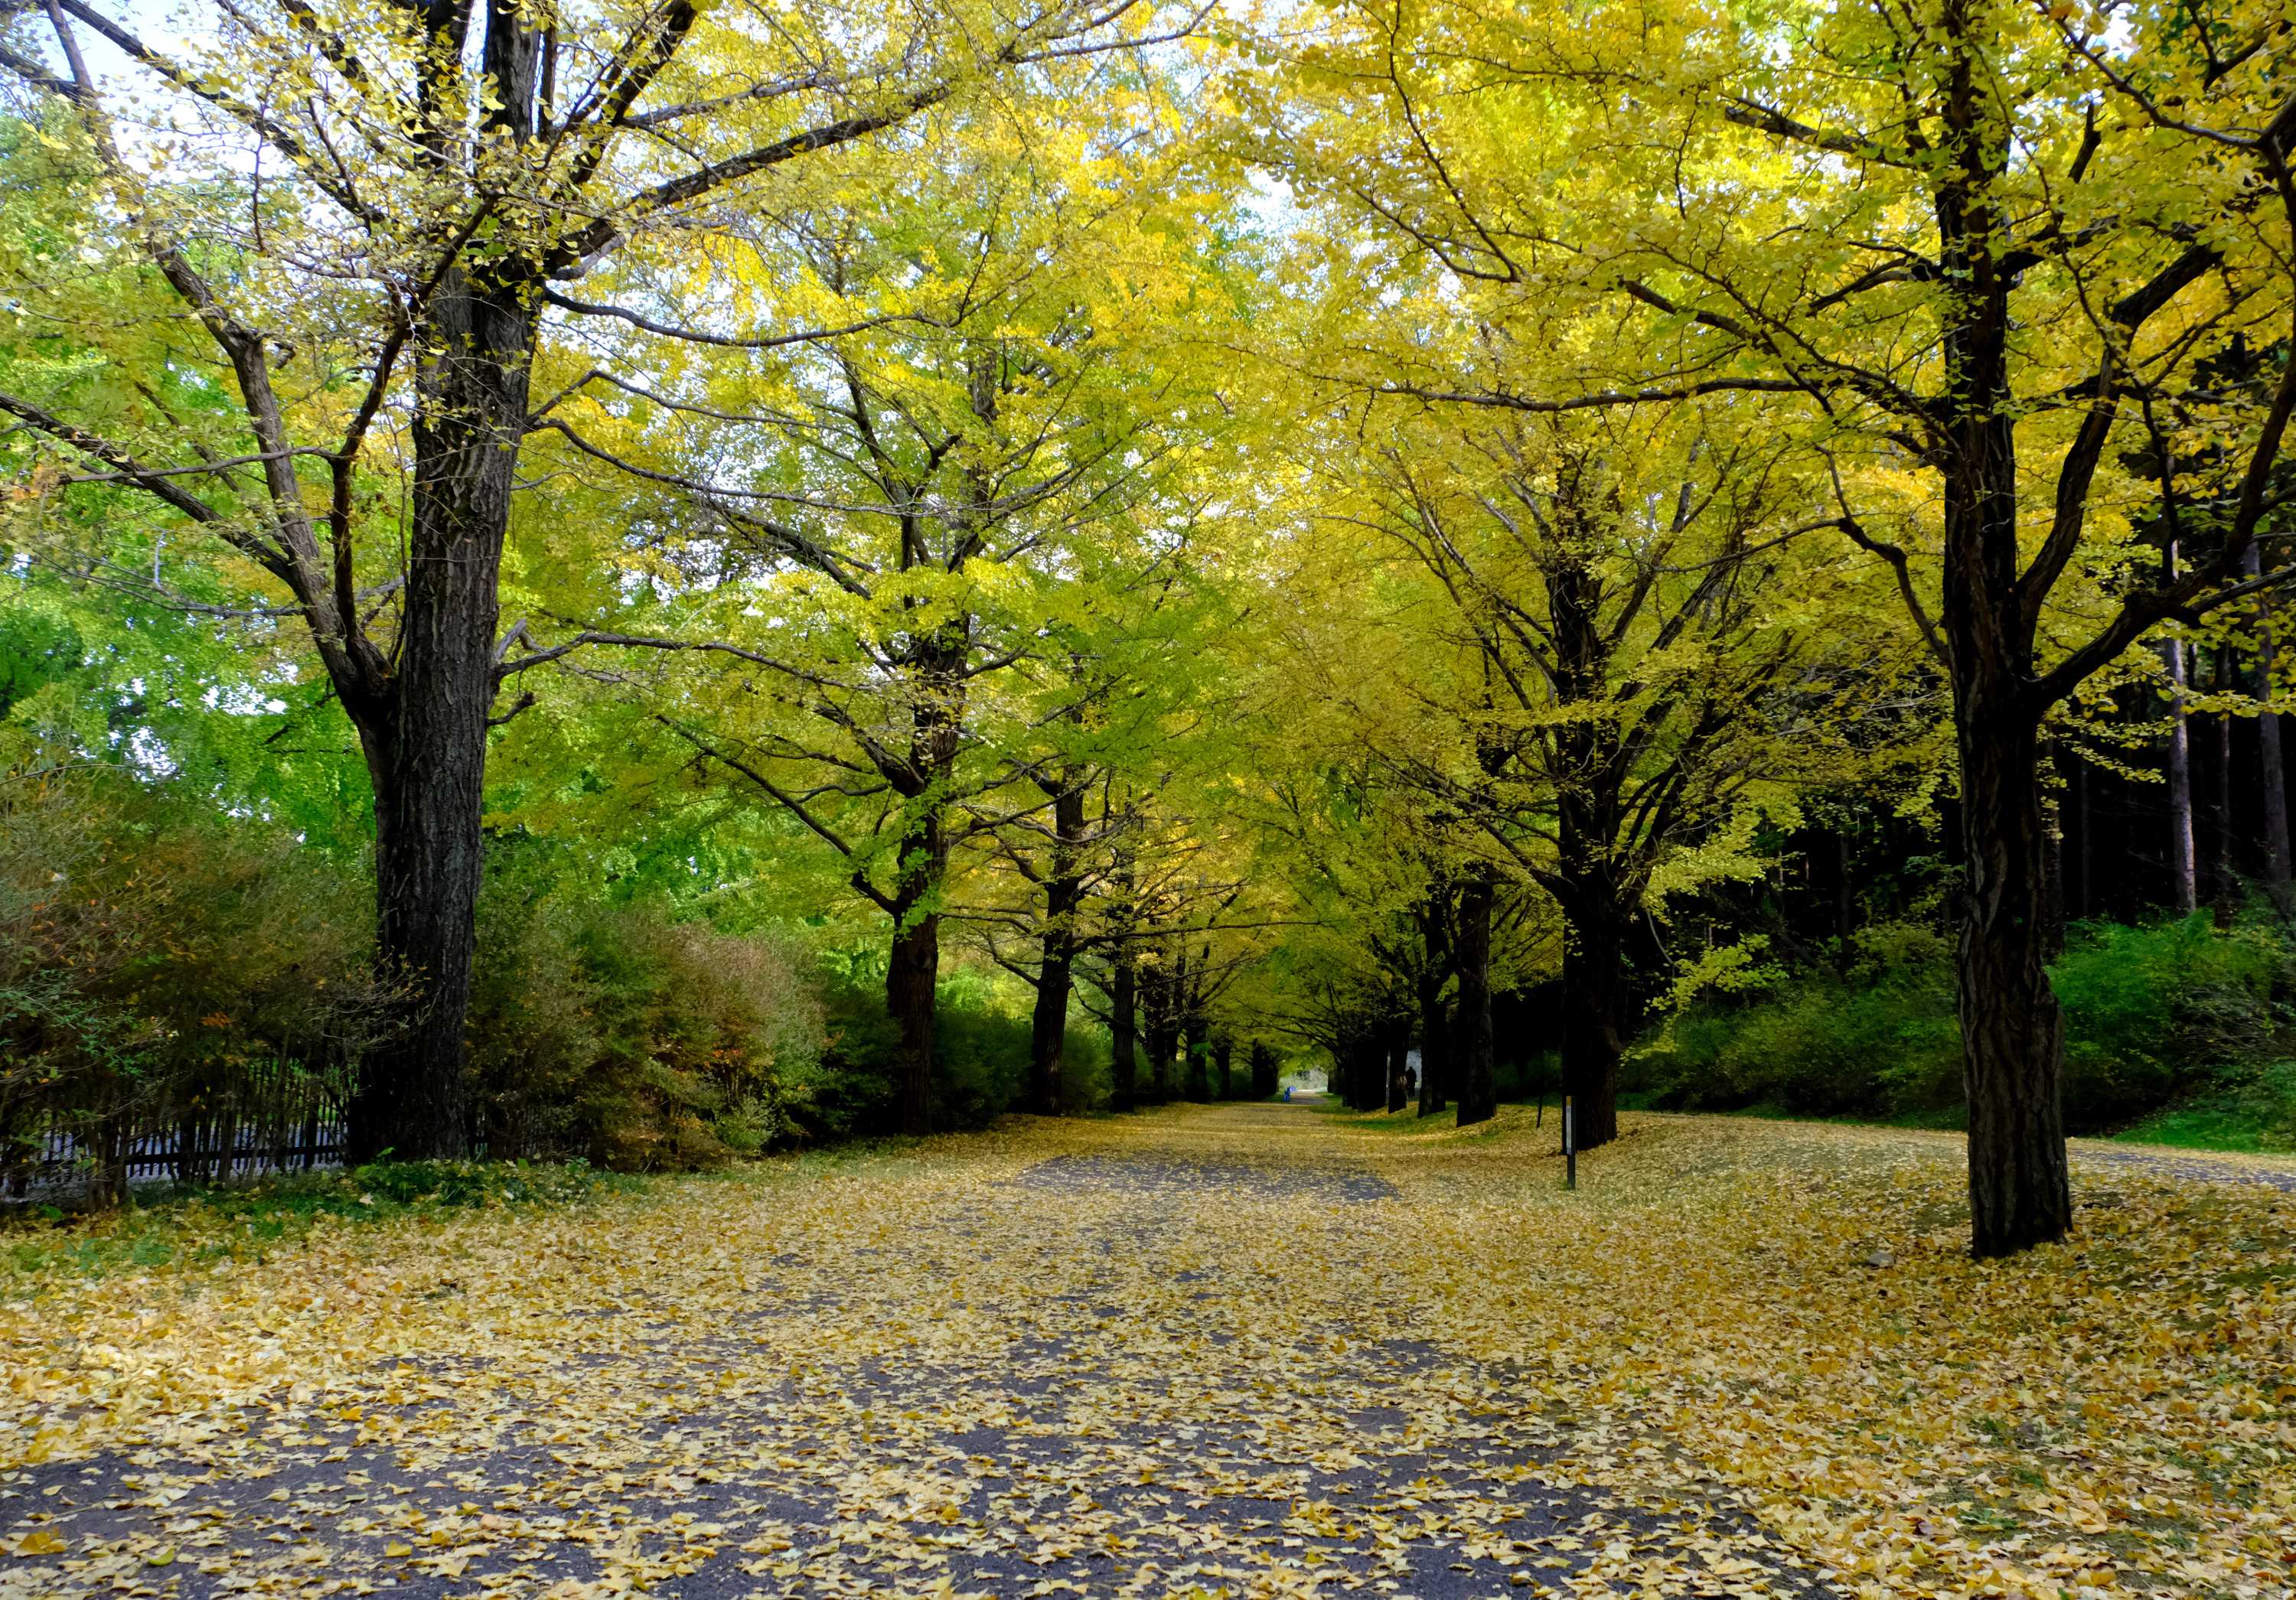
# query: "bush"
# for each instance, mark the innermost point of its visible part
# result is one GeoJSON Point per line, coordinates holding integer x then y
{"type": "Point", "coordinates": [980, 1054]}
{"type": "Point", "coordinates": [461, 1184]}
{"type": "Point", "coordinates": [2152, 1013]}
{"type": "Point", "coordinates": [166, 969]}
{"type": "Point", "coordinates": [163, 966]}
{"type": "Point", "coordinates": [2155, 1012]}
{"type": "Point", "coordinates": [618, 1035]}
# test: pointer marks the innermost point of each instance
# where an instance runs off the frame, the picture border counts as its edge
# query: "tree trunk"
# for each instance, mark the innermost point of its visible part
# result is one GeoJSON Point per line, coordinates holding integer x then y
{"type": "Point", "coordinates": [1434, 1045]}
{"type": "Point", "coordinates": [2013, 1036]}
{"type": "Point", "coordinates": [1434, 1019]}
{"type": "Point", "coordinates": [910, 982]}
{"type": "Point", "coordinates": [1163, 1032]}
{"type": "Point", "coordinates": [2012, 1031]}
{"type": "Point", "coordinates": [1063, 893]}
{"type": "Point", "coordinates": [1196, 1044]}
{"type": "Point", "coordinates": [1223, 1068]}
{"type": "Point", "coordinates": [2277, 862]}
{"type": "Point", "coordinates": [1594, 953]}
{"type": "Point", "coordinates": [1124, 1029]}
{"type": "Point", "coordinates": [1470, 1054]}
{"type": "Point", "coordinates": [426, 748]}
{"type": "Point", "coordinates": [1359, 1063]}
{"type": "Point", "coordinates": [1263, 1069]}
{"type": "Point", "coordinates": [1048, 1027]}
{"type": "Point", "coordinates": [2183, 874]}
{"type": "Point", "coordinates": [913, 976]}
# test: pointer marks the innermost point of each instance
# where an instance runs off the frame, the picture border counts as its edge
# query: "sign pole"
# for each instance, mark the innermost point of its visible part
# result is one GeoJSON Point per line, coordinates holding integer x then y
{"type": "Point", "coordinates": [1569, 1146]}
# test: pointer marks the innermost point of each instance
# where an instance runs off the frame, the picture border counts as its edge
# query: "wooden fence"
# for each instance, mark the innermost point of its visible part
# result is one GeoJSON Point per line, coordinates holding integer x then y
{"type": "Point", "coordinates": [276, 1117]}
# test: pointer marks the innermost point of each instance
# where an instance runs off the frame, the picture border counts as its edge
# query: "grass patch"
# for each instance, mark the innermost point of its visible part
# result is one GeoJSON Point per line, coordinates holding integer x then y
{"type": "Point", "coordinates": [191, 1224]}
{"type": "Point", "coordinates": [2259, 1118]}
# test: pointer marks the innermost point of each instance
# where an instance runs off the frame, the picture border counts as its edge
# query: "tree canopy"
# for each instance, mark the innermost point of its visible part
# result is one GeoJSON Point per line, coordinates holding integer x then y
{"type": "Point", "coordinates": [1372, 530]}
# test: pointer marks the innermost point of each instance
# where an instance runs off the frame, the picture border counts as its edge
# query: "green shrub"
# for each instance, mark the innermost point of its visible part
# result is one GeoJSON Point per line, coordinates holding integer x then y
{"type": "Point", "coordinates": [980, 1054]}
{"type": "Point", "coordinates": [1824, 1047]}
{"type": "Point", "coordinates": [161, 962]}
{"type": "Point", "coordinates": [637, 1042]}
{"type": "Point", "coordinates": [459, 1184]}
{"type": "Point", "coordinates": [2153, 1013]}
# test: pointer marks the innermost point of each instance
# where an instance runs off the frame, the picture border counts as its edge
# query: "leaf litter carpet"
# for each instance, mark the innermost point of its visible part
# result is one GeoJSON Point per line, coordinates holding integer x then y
{"type": "Point", "coordinates": [1241, 1350]}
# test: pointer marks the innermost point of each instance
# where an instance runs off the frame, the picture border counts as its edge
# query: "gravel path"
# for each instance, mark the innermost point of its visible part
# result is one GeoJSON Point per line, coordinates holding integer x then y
{"type": "Point", "coordinates": [2197, 1168]}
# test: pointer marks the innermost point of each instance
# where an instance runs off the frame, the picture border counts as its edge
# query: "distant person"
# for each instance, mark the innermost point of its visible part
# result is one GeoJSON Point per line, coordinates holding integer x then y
{"type": "Point", "coordinates": [1287, 1094]}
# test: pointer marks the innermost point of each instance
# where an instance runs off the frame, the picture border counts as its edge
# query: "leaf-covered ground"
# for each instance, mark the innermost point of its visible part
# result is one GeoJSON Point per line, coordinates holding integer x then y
{"type": "Point", "coordinates": [1247, 1349]}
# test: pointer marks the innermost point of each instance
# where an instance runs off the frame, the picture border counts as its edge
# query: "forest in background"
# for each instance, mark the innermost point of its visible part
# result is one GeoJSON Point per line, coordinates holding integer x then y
{"type": "Point", "coordinates": [644, 583]}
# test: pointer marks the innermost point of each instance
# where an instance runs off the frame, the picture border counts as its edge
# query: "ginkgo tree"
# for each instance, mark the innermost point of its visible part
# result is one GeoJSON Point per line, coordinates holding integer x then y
{"type": "Point", "coordinates": [2019, 272]}
{"type": "Point", "coordinates": [1655, 653]}
{"type": "Point", "coordinates": [878, 552]}
{"type": "Point", "coordinates": [356, 221]}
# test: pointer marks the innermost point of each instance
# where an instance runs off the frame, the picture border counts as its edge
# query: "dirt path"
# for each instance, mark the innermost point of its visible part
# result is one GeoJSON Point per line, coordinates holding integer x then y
{"type": "Point", "coordinates": [1169, 1356]}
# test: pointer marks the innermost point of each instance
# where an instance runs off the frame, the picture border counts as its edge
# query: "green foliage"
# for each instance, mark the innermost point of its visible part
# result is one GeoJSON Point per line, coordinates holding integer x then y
{"type": "Point", "coordinates": [2157, 1011]}
{"type": "Point", "coordinates": [2154, 1014]}
{"type": "Point", "coordinates": [157, 957]}
{"type": "Point", "coordinates": [611, 1031]}
{"type": "Point", "coordinates": [445, 1183]}
{"type": "Point", "coordinates": [1820, 1048]}
{"type": "Point", "coordinates": [2255, 1109]}
{"type": "Point", "coordinates": [233, 1221]}
{"type": "Point", "coordinates": [980, 1055]}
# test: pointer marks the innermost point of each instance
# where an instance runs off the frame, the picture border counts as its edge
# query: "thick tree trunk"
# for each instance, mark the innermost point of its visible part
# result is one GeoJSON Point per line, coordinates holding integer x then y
{"type": "Point", "coordinates": [2013, 1037]}
{"type": "Point", "coordinates": [1595, 910]}
{"type": "Point", "coordinates": [1399, 1064]}
{"type": "Point", "coordinates": [1124, 1029]}
{"type": "Point", "coordinates": [1359, 1066]}
{"type": "Point", "coordinates": [1593, 954]}
{"type": "Point", "coordinates": [1195, 1043]}
{"type": "Point", "coordinates": [2012, 1032]}
{"type": "Point", "coordinates": [426, 747]}
{"type": "Point", "coordinates": [912, 975]}
{"type": "Point", "coordinates": [1063, 893]}
{"type": "Point", "coordinates": [2278, 864]}
{"type": "Point", "coordinates": [2183, 874]}
{"type": "Point", "coordinates": [1163, 1032]}
{"type": "Point", "coordinates": [1434, 1045]}
{"type": "Point", "coordinates": [1048, 1027]}
{"type": "Point", "coordinates": [910, 984]}
{"type": "Point", "coordinates": [936, 686]}
{"type": "Point", "coordinates": [1470, 1054]}
{"type": "Point", "coordinates": [1263, 1069]}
